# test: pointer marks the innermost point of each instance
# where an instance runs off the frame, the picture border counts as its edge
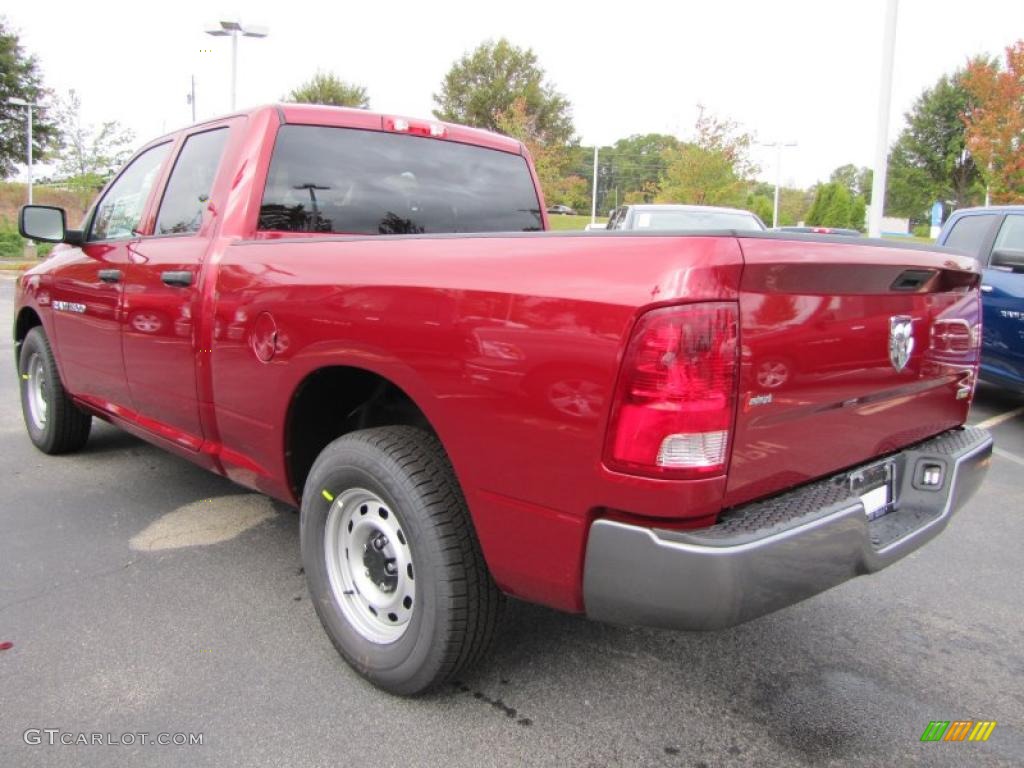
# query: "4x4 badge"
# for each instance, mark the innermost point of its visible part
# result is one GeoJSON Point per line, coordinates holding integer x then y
{"type": "Point", "coordinates": [901, 341]}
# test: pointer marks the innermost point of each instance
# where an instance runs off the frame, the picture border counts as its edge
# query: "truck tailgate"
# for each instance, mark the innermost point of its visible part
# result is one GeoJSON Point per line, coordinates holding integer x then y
{"type": "Point", "coordinates": [848, 351]}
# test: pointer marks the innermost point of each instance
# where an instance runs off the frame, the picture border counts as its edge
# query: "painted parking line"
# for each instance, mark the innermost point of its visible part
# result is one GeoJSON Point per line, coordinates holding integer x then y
{"type": "Point", "coordinates": [1008, 456]}
{"type": "Point", "coordinates": [995, 421]}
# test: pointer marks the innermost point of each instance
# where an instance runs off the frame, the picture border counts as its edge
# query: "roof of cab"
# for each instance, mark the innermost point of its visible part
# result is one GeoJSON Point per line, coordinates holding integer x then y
{"type": "Point", "coordinates": [346, 117]}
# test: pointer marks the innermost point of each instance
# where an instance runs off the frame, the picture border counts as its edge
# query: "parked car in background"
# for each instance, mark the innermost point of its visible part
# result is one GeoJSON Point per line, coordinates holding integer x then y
{"type": "Point", "coordinates": [562, 210]}
{"type": "Point", "coordinates": [995, 235]}
{"type": "Point", "coordinates": [683, 217]}
{"type": "Point", "coordinates": [818, 231]}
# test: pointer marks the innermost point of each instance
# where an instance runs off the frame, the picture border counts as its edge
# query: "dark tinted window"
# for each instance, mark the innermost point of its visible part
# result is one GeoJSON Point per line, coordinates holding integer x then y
{"type": "Point", "coordinates": [189, 187]}
{"type": "Point", "coordinates": [969, 233]}
{"type": "Point", "coordinates": [118, 213]}
{"type": "Point", "coordinates": [369, 182]}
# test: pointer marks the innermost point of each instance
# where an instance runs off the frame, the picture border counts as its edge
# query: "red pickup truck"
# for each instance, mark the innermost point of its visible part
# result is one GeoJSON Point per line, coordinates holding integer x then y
{"type": "Point", "coordinates": [363, 316]}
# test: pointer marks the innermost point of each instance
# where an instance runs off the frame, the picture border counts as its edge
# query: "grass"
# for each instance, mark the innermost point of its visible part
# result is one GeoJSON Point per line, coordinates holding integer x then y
{"type": "Point", "coordinates": [559, 223]}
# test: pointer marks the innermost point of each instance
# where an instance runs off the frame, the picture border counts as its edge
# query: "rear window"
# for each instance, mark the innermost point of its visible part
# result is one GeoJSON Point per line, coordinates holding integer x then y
{"type": "Point", "coordinates": [969, 233]}
{"type": "Point", "coordinates": [352, 181]}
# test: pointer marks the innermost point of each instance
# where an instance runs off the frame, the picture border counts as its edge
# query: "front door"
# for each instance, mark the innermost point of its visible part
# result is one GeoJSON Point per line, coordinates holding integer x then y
{"type": "Point", "coordinates": [88, 288]}
{"type": "Point", "coordinates": [1003, 302]}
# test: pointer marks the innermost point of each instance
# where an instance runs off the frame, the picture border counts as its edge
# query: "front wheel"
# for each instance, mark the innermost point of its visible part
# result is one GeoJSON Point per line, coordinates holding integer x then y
{"type": "Point", "coordinates": [392, 561]}
{"type": "Point", "coordinates": [55, 424]}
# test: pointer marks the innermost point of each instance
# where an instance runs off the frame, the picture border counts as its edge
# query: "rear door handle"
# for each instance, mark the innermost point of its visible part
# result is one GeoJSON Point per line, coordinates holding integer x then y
{"type": "Point", "coordinates": [986, 288]}
{"type": "Point", "coordinates": [110, 275]}
{"type": "Point", "coordinates": [181, 279]}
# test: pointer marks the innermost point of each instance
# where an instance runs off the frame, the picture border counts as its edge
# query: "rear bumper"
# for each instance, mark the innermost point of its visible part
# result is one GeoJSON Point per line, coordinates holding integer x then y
{"type": "Point", "coordinates": [769, 554]}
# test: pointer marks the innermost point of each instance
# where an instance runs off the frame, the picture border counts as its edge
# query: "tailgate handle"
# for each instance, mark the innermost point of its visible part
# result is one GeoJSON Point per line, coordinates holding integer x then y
{"type": "Point", "coordinates": [912, 279]}
{"type": "Point", "coordinates": [180, 278]}
{"type": "Point", "coordinates": [110, 275]}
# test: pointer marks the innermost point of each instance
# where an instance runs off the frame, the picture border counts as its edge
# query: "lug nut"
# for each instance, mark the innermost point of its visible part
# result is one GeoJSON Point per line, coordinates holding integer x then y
{"type": "Point", "coordinates": [380, 542]}
{"type": "Point", "coordinates": [390, 566]}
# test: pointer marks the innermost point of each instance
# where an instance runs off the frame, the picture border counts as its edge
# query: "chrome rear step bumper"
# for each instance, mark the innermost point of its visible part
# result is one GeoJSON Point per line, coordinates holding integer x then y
{"type": "Point", "coordinates": [769, 554]}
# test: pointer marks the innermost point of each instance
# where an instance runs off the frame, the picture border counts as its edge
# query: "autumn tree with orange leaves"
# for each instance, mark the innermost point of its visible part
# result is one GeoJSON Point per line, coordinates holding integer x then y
{"type": "Point", "coordinates": [995, 123]}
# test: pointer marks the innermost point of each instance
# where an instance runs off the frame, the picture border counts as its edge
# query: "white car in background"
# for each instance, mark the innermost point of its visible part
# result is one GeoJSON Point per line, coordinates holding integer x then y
{"type": "Point", "coordinates": [683, 217]}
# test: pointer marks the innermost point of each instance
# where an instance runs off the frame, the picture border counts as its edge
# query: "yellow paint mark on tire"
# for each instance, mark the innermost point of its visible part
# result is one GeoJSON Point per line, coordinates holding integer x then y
{"type": "Point", "coordinates": [327, 494]}
{"type": "Point", "coordinates": [204, 522]}
{"type": "Point", "coordinates": [24, 376]}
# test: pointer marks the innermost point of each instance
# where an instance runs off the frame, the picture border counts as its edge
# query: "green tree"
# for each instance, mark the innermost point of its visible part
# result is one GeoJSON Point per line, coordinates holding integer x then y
{"type": "Point", "coordinates": [485, 83]}
{"type": "Point", "coordinates": [20, 78]}
{"type": "Point", "coordinates": [762, 206]}
{"type": "Point", "coordinates": [834, 206]}
{"type": "Point", "coordinates": [89, 154]}
{"type": "Point", "coordinates": [930, 159]}
{"type": "Point", "coordinates": [714, 169]}
{"type": "Point", "coordinates": [328, 88]}
{"type": "Point", "coordinates": [856, 180]}
{"type": "Point", "coordinates": [637, 164]}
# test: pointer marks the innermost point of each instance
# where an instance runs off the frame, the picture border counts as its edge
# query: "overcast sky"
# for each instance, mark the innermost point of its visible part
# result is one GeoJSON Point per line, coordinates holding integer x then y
{"type": "Point", "coordinates": [797, 70]}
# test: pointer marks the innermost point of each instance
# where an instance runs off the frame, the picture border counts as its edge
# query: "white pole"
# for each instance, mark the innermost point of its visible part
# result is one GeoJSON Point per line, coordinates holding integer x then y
{"type": "Point", "coordinates": [882, 128]}
{"type": "Point", "coordinates": [234, 66]}
{"type": "Point", "coordinates": [778, 182]}
{"type": "Point", "coordinates": [29, 108]}
{"type": "Point", "coordinates": [593, 204]}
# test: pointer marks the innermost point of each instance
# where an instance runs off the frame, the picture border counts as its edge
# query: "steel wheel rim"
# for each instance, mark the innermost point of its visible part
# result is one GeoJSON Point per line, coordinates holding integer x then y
{"type": "Point", "coordinates": [38, 391]}
{"type": "Point", "coordinates": [362, 537]}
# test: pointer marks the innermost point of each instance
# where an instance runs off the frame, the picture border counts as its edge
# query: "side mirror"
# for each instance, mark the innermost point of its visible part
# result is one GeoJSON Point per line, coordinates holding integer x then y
{"type": "Point", "coordinates": [1010, 258]}
{"type": "Point", "coordinates": [46, 223]}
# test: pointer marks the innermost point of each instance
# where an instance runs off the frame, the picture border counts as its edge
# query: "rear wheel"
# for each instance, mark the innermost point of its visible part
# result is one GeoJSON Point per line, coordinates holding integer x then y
{"type": "Point", "coordinates": [392, 561]}
{"type": "Point", "coordinates": [55, 424]}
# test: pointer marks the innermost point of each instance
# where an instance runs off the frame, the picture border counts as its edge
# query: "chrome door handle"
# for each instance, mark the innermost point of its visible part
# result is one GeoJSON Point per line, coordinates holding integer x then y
{"type": "Point", "coordinates": [986, 288]}
{"type": "Point", "coordinates": [110, 275]}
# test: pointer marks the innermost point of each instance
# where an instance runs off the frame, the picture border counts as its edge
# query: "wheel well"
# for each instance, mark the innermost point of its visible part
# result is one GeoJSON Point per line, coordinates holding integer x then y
{"type": "Point", "coordinates": [334, 401]}
{"type": "Point", "coordinates": [27, 320]}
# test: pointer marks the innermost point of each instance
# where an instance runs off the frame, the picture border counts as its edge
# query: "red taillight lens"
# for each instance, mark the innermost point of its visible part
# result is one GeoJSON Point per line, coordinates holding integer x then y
{"type": "Point", "coordinates": [674, 406]}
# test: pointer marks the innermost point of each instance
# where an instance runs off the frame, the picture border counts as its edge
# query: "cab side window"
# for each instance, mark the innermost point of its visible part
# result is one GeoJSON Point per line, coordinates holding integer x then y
{"type": "Point", "coordinates": [119, 212]}
{"type": "Point", "coordinates": [188, 189]}
{"type": "Point", "coordinates": [969, 233]}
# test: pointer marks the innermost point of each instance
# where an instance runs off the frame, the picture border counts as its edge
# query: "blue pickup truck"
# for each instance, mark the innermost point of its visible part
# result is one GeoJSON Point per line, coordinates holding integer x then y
{"type": "Point", "coordinates": [995, 235]}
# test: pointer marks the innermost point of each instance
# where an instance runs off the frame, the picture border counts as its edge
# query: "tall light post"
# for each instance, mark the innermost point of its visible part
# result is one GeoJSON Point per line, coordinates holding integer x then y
{"type": "Point", "coordinates": [882, 125]}
{"type": "Point", "coordinates": [234, 30]}
{"type": "Point", "coordinates": [28, 137]}
{"type": "Point", "coordinates": [778, 175]}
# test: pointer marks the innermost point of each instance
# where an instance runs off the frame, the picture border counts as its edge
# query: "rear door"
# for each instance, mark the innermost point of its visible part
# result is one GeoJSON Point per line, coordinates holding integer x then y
{"type": "Point", "coordinates": [1003, 298]}
{"type": "Point", "coordinates": [162, 299]}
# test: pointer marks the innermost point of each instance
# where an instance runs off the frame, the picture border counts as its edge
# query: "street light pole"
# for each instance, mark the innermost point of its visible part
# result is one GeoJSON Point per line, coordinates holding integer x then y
{"type": "Point", "coordinates": [28, 138]}
{"type": "Point", "coordinates": [778, 175]}
{"type": "Point", "coordinates": [234, 29]}
{"type": "Point", "coordinates": [882, 128]}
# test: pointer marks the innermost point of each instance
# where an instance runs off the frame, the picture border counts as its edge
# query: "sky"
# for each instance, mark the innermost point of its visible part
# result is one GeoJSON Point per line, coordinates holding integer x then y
{"type": "Point", "coordinates": [803, 71]}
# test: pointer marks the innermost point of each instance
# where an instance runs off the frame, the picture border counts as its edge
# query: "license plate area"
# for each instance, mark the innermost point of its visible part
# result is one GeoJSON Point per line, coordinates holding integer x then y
{"type": "Point", "coordinates": [874, 486]}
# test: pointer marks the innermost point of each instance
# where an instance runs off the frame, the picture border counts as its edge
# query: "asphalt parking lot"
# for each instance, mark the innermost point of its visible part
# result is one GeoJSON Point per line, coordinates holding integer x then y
{"type": "Point", "coordinates": [130, 612]}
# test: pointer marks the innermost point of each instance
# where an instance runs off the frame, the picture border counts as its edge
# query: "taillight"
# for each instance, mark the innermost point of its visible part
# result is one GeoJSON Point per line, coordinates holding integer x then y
{"type": "Point", "coordinates": [674, 406]}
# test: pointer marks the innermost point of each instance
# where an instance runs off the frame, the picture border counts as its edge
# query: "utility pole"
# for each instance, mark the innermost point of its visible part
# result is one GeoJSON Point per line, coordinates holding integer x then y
{"type": "Point", "coordinates": [192, 98]}
{"type": "Point", "coordinates": [593, 204]}
{"type": "Point", "coordinates": [882, 128]}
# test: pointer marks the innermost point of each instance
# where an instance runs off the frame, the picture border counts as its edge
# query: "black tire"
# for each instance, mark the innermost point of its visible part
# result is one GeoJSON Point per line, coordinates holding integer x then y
{"type": "Point", "coordinates": [64, 427]}
{"type": "Point", "coordinates": [456, 604]}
